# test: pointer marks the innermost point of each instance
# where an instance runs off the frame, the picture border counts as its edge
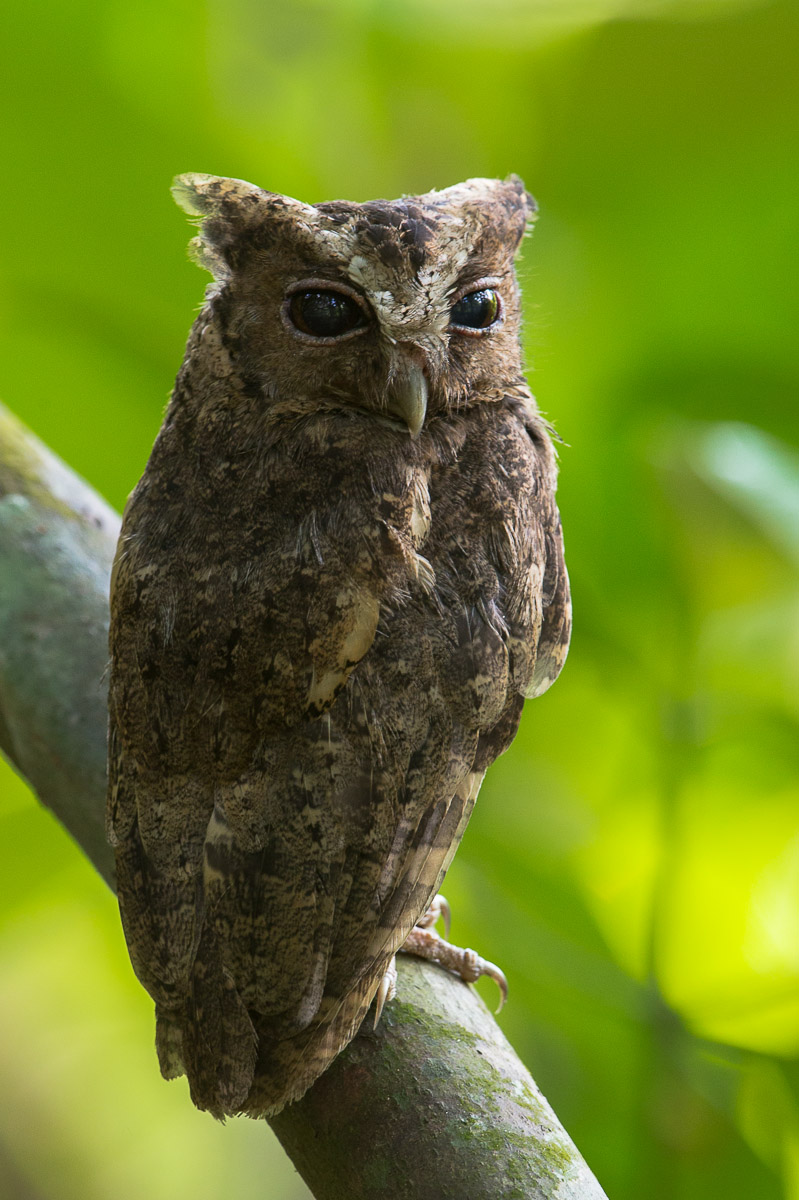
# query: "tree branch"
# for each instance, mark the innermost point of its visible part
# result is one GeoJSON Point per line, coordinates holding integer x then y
{"type": "Point", "coordinates": [433, 1103]}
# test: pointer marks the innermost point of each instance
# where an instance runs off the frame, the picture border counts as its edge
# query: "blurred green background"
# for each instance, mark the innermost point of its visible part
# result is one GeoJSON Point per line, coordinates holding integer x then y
{"type": "Point", "coordinates": [633, 863]}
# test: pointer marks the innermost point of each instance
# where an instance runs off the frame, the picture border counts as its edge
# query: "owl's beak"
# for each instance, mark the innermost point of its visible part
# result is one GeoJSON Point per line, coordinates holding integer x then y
{"type": "Point", "coordinates": [407, 396]}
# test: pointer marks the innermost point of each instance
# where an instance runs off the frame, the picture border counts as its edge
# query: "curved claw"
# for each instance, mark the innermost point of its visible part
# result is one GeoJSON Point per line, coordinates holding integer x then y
{"type": "Point", "coordinates": [473, 966]}
{"type": "Point", "coordinates": [494, 972]}
{"type": "Point", "coordinates": [387, 989]}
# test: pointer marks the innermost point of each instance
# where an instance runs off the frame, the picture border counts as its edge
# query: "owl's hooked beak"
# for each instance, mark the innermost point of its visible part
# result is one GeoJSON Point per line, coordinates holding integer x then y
{"type": "Point", "coordinates": [407, 396]}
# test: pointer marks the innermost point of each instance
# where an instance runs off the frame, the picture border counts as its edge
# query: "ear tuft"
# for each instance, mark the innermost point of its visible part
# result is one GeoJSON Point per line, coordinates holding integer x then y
{"type": "Point", "coordinates": [213, 195]}
{"type": "Point", "coordinates": [503, 205]}
{"type": "Point", "coordinates": [225, 207]}
{"type": "Point", "coordinates": [526, 202]}
{"type": "Point", "coordinates": [527, 206]}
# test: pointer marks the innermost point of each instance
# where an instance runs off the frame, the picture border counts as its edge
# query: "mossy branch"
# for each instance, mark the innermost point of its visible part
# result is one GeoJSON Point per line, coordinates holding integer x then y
{"type": "Point", "coordinates": [432, 1104]}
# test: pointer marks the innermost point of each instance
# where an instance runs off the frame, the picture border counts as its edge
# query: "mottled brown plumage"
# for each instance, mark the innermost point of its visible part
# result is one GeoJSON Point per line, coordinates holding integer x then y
{"type": "Point", "coordinates": [337, 579]}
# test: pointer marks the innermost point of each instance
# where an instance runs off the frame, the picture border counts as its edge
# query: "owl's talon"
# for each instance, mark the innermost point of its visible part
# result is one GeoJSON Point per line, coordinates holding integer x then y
{"type": "Point", "coordinates": [387, 989]}
{"type": "Point", "coordinates": [474, 966]}
{"type": "Point", "coordinates": [424, 942]}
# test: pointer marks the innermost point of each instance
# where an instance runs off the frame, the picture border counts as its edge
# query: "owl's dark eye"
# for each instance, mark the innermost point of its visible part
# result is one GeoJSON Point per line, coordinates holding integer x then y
{"type": "Point", "coordinates": [476, 310]}
{"type": "Point", "coordinates": [325, 314]}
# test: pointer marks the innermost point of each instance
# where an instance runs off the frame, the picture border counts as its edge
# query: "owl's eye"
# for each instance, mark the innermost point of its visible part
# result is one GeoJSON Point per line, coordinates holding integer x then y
{"type": "Point", "coordinates": [476, 310]}
{"type": "Point", "coordinates": [325, 314]}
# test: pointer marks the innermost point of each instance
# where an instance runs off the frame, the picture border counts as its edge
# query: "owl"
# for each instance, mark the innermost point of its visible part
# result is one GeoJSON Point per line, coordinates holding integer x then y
{"type": "Point", "coordinates": [336, 582]}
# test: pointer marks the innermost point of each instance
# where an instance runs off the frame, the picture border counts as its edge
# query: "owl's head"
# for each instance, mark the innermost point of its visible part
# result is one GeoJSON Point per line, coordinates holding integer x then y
{"type": "Point", "coordinates": [396, 311]}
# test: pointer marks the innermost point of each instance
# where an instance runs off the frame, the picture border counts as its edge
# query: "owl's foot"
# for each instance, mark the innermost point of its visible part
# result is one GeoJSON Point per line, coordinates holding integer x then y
{"type": "Point", "coordinates": [424, 942]}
